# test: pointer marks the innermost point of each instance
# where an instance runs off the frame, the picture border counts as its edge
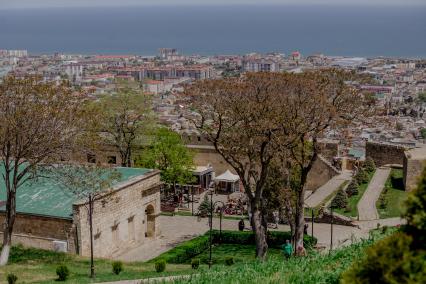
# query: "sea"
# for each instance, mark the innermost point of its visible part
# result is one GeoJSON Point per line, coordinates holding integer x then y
{"type": "Point", "coordinates": [364, 31]}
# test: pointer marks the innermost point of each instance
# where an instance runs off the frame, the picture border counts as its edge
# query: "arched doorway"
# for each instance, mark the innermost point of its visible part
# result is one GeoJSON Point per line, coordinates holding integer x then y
{"type": "Point", "coordinates": [150, 221]}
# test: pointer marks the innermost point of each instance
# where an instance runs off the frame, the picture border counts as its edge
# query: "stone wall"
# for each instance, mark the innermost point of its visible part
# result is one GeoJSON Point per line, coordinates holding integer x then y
{"type": "Point", "coordinates": [42, 231]}
{"type": "Point", "coordinates": [119, 218]}
{"type": "Point", "coordinates": [414, 163]}
{"type": "Point", "coordinates": [385, 154]}
{"type": "Point", "coordinates": [320, 173]}
{"type": "Point", "coordinates": [207, 155]}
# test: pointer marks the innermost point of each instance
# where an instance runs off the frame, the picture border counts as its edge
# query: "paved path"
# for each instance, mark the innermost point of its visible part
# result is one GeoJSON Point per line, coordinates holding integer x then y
{"type": "Point", "coordinates": [328, 188]}
{"type": "Point", "coordinates": [367, 205]}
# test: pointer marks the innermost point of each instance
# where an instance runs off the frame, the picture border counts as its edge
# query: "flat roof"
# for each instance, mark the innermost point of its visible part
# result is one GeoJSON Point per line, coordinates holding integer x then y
{"type": "Point", "coordinates": [45, 197]}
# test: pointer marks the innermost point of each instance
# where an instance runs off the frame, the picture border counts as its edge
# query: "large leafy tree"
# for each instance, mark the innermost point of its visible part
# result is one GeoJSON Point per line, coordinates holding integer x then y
{"type": "Point", "coordinates": [262, 117]}
{"type": "Point", "coordinates": [40, 123]}
{"type": "Point", "coordinates": [169, 154]}
{"type": "Point", "coordinates": [123, 119]}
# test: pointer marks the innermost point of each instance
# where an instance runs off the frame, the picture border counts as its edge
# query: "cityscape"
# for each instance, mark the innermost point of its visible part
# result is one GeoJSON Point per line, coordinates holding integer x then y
{"type": "Point", "coordinates": [201, 167]}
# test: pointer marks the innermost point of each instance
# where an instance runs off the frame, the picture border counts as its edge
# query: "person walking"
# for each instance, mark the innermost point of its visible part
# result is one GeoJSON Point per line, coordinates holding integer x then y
{"type": "Point", "coordinates": [241, 225]}
{"type": "Point", "coordinates": [287, 249]}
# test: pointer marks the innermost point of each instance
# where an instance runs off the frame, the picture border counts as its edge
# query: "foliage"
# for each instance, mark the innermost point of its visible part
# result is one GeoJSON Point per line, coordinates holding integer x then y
{"type": "Point", "coordinates": [423, 133]}
{"type": "Point", "coordinates": [123, 118]}
{"type": "Point", "coordinates": [204, 209]}
{"type": "Point", "coordinates": [117, 267]}
{"type": "Point", "coordinates": [11, 278]}
{"type": "Point", "coordinates": [361, 177]}
{"type": "Point", "coordinates": [369, 165]}
{"type": "Point", "coordinates": [168, 153]}
{"type": "Point", "coordinates": [185, 251]}
{"type": "Point", "coordinates": [39, 123]}
{"type": "Point", "coordinates": [229, 260]}
{"type": "Point", "coordinates": [415, 212]}
{"type": "Point", "coordinates": [422, 97]}
{"type": "Point", "coordinates": [63, 272]}
{"type": "Point", "coordinates": [391, 260]}
{"type": "Point", "coordinates": [160, 265]}
{"type": "Point", "coordinates": [352, 188]}
{"type": "Point", "coordinates": [195, 263]}
{"type": "Point", "coordinates": [340, 200]}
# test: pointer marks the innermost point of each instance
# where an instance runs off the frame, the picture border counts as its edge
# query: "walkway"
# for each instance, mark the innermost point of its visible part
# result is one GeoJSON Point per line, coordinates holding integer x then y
{"type": "Point", "coordinates": [325, 190]}
{"type": "Point", "coordinates": [367, 205]}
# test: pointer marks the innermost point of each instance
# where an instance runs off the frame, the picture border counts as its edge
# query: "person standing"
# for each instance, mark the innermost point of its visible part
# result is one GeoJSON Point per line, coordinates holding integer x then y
{"type": "Point", "coordinates": [287, 249]}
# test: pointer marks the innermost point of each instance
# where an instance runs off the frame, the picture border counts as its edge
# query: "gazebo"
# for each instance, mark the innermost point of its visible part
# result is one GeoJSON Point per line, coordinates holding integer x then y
{"type": "Point", "coordinates": [227, 182]}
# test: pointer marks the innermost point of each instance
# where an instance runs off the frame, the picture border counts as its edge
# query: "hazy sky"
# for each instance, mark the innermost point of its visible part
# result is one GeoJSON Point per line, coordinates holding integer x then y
{"type": "Point", "coordinates": [6, 4]}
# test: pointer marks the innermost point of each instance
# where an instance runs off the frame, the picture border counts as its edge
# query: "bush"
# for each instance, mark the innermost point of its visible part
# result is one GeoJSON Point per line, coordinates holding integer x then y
{"type": "Point", "coordinates": [195, 263]}
{"type": "Point", "coordinates": [117, 267]}
{"type": "Point", "coordinates": [389, 261]}
{"type": "Point", "coordinates": [352, 188]}
{"type": "Point", "coordinates": [369, 165]}
{"type": "Point", "coordinates": [63, 272]}
{"type": "Point", "coordinates": [361, 177]}
{"type": "Point", "coordinates": [186, 251]}
{"type": "Point", "coordinates": [11, 278]}
{"type": "Point", "coordinates": [340, 200]}
{"type": "Point", "coordinates": [204, 208]}
{"type": "Point", "coordinates": [229, 260]}
{"type": "Point", "coordinates": [160, 265]}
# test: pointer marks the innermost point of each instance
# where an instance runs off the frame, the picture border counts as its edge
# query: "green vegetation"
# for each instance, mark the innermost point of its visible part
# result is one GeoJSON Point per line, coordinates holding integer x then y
{"type": "Point", "coordinates": [400, 258]}
{"type": "Point", "coordinates": [315, 268]}
{"type": "Point", "coordinates": [34, 265]}
{"type": "Point", "coordinates": [240, 243]}
{"type": "Point", "coordinates": [160, 265]}
{"type": "Point", "coordinates": [11, 278]}
{"type": "Point", "coordinates": [195, 263]}
{"type": "Point", "coordinates": [340, 200]}
{"type": "Point", "coordinates": [117, 267]}
{"type": "Point", "coordinates": [354, 199]}
{"type": "Point", "coordinates": [391, 200]}
{"type": "Point", "coordinates": [63, 272]}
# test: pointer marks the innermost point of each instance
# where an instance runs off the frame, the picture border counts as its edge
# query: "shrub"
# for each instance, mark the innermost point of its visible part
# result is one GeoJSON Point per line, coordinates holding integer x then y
{"type": "Point", "coordinates": [63, 272]}
{"type": "Point", "coordinates": [352, 188]}
{"type": "Point", "coordinates": [361, 177]}
{"type": "Point", "coordinates": [369, 165]}
{"type": "Point", "coordinates": [389, 261]}
{"type": "Point", "coordinates": [204, 208]}
{"type": "Point", "coordinates": [229, 260]}
{"type": "Point", "coordinates": [117, 267]}
{"type": "Point", "coordinates": [11, 278]}
{"type": "Point", "coordinates": [382, 202]}
{"type": "Point", "coordinates": [160, 265]}
{"type": "Point", "coordinates": [340, 200]}
{"type": "Point", "coordinates": [195, 263]}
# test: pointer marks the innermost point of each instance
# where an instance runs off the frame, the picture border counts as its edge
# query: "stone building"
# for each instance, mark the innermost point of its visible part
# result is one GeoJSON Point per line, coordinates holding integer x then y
{"type": "Point", "coordinates": [124, 216]}
{"type": "Point", "coordinates": [414, 163]}
{"type": "Point", "coordinates": [384, 153]}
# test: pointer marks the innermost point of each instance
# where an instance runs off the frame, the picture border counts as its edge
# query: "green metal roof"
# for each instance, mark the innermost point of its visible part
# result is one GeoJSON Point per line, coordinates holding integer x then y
{"type": "Point", "coordinates": [45, 197]}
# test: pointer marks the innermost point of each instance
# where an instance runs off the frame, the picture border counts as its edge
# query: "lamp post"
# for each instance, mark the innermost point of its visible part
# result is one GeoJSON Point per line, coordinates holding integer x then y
{"type": "Point", "coordinates": [312, 222]}
{"type": "Point", "coordinates": [331, 235]}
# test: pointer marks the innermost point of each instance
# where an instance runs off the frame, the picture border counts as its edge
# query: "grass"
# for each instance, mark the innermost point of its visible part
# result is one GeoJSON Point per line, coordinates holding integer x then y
{"type": "Point", "coordinates": [39, 266]}
{"type": "Point", "coordinates": [354, 199]}
{"type": "Point", "coordinates": [308, 211]}
{"type": "Point", "coordinates": [393, 195]}
{"type": "Point", "coordinates": [316, 268]}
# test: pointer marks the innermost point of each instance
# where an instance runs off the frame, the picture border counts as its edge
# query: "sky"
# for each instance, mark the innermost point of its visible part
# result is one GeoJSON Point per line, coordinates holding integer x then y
{"type": "Point", "coordinates": [25, 4]}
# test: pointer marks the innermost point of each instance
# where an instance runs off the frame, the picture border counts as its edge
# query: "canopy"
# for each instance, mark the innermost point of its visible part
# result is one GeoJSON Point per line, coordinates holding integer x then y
{"type": "Point", "coordinates": [227, 177]}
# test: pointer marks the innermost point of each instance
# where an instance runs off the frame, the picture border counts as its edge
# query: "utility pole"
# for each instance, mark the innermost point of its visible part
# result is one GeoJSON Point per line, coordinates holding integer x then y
{"type": "Point", "coordinates": [92, 266]}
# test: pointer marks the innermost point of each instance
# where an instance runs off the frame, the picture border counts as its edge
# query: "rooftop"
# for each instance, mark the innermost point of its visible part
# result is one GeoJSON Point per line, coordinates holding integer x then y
{"type": "Point", "coordinates": [45, 197]}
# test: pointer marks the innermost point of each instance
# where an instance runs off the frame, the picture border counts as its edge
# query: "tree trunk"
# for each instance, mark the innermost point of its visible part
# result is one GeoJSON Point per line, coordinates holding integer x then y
{"type": "Point", "coordinates": [8, 228]}
{"type": "Point", "coordinates": [299, 220]}
{"type": "Point", "coordinates": [259, 229]}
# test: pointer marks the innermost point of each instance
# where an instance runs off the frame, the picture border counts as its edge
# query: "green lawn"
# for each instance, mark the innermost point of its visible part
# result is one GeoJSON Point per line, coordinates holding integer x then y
{"type": "Point", "coordinates": [393, 194]}
{"type": "Point", "coordinates": [39, 266]}
{"type": "Point", "coordinates": [353, 200]}
{"type": "Point", "coordinates": [240, 253]}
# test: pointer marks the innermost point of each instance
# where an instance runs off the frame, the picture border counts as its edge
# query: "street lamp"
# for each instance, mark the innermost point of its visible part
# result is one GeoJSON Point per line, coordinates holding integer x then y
{"type": "Point", "coordinates": [331, 235]}
{"type": "Point", "coordinates": [212, 206]}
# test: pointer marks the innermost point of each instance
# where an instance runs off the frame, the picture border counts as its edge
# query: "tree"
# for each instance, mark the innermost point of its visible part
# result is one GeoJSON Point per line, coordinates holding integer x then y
{"type": "Point", "coordinates": [168, 153]}
{"type": "Point", "coordinates": [86, 182]}
{"type": "Point", "coordinates": [352, 188]}
{"type": "Point", "coordinates": [340, 200]}
{"type": "Point", "coordinates": [369, 165]}
{"type": "Point", "coordinates": [361, 177]}
{"type": "Point", "coordinates": [123, 118]}
{"type": "Point", "coordinates": [253, 120]}
{"type": "Point", "coordinates": [237, 116]}
{"type": "Point", "coordinates": [423, 133]}
{"type": "Point", "coordinates": [422, 97]}
{"type": "Point", "coordinates": [39, 123]}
